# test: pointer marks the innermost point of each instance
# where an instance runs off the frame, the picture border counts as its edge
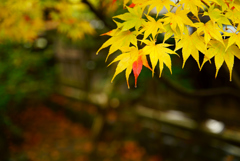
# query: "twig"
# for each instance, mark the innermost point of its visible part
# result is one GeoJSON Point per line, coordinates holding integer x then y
{"type": "Point", "coordinates": [98, 14]}
{"type": "Point", "coordinates": [202, 92]}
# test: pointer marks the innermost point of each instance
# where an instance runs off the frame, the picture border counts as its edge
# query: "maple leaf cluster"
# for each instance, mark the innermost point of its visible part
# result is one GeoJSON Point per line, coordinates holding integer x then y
{"type": "Point", "coordinates": [23, 20]}
{"type": "Point", "coordinates": [219, 37]}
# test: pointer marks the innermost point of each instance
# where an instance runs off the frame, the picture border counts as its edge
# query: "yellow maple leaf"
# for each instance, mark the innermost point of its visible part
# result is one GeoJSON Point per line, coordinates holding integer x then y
{"type": "Point", "coordinates": [234, 5]}
{"type": "Point", "coordinates": [169, 32]}
{"type": "Point", "coordinates": [140, 2]}
{"type": "Point", "coordinates": [130, 59]}
{"type": "Point", "coordinates": [159, 4]}
{"type": "Point", "coordinates": [210, 30]}
{"type": "Point", "coordinates": [233, 39]}
{"type": "Point", "coordinates": [178, 19]}
{"type": "Point", "coordinates": [158, 52]}
{"type": "Point", "coordinates": [118, 40]}
{"type": "Point", "coordinates": [132, 19]}
{"type": "Point", "coordinates": [152, 27]}
{"type": "Point", "coordinates": [190, 45]}
{"type": "Point", "coordinates": [192, 5]}
{"type": "Point", "coordinates": [221, 3]}
{"type": "Point", "coordinates": [217, 50]}
{"type": "Point", "coordinates": [234, 15]}
{"type": "Point", "coordinates": [216, 16]}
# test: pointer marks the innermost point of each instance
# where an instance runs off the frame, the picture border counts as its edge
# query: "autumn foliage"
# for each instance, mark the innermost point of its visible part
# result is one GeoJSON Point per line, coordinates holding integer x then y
{"type": "Point", "coordinates": [207, 27]}
{"type": "Point", "coordinates": [24, 20]}
{"type": "Point", "coordinates": [217, 37]}
{"type": "Point", "coordinates": [50, 135]}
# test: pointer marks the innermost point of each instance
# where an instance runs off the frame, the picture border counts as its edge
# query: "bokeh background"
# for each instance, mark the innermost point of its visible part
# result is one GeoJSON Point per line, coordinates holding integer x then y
{"type": "Point", "coordinates": [57, 102]}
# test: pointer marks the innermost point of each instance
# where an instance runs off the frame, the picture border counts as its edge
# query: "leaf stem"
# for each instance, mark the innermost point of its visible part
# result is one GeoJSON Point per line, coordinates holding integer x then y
{"type": "Point", "coordinates": [205, 3]}
{"type": "Point", "coordinates": [230, 30]}
{"type": "Point", "coordinates": [174, 6]}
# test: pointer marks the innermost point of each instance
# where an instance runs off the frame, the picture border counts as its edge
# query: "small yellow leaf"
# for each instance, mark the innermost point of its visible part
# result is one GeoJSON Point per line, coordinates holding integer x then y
{"type": "Point", "coordinates": [133, 18]}
{"type": "Point", "coordinates": [191, 44]}
{"type": "Point", "coordinates": [217, 50]}
{"type": "Point", "coordinates": [152, 27]}
{"type": "Point", "coordinates": [119, 40]}
{"type": "Point", "coordinates": [210, 30]}
{"type": "Point", "coordinates": [178, 19]}
{"type": "Point", "coordinates": [158, 52]}
{"type": "Point", "coordinates": [159, 4]}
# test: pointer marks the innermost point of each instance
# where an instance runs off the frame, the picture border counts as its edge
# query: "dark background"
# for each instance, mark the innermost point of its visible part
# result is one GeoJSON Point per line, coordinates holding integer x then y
{"type": "Point", "coordinates": [57, 102]}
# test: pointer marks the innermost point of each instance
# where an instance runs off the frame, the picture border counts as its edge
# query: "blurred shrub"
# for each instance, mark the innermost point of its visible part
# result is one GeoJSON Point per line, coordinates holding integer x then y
{"type": "Point", "coordinates": [25, 73]}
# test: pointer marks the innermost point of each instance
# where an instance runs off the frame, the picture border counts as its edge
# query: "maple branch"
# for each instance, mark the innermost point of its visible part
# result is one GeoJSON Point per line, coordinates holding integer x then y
{"type": "Point", "coordinates": [205, 3]}
{"type": "Point", "coordinates": [173, 6]}
{"type": "Point", "coordinates": [98, 14]}
{"type": "Point", "coordinates": [202, 92]}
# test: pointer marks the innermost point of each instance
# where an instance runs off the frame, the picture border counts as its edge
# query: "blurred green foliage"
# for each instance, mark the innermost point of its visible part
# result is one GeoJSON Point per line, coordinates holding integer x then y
{"type": "Point", "coordinates": [25, 73]}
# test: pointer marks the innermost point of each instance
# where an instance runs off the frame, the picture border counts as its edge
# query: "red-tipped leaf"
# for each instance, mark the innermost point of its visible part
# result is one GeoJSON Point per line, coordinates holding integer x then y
{"type": "Point", "coordinates": [132, 5]}
{"type": "Point", "coordinates": [114, 1]}
{"type": "Point", "coordinates": [137, 68]}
